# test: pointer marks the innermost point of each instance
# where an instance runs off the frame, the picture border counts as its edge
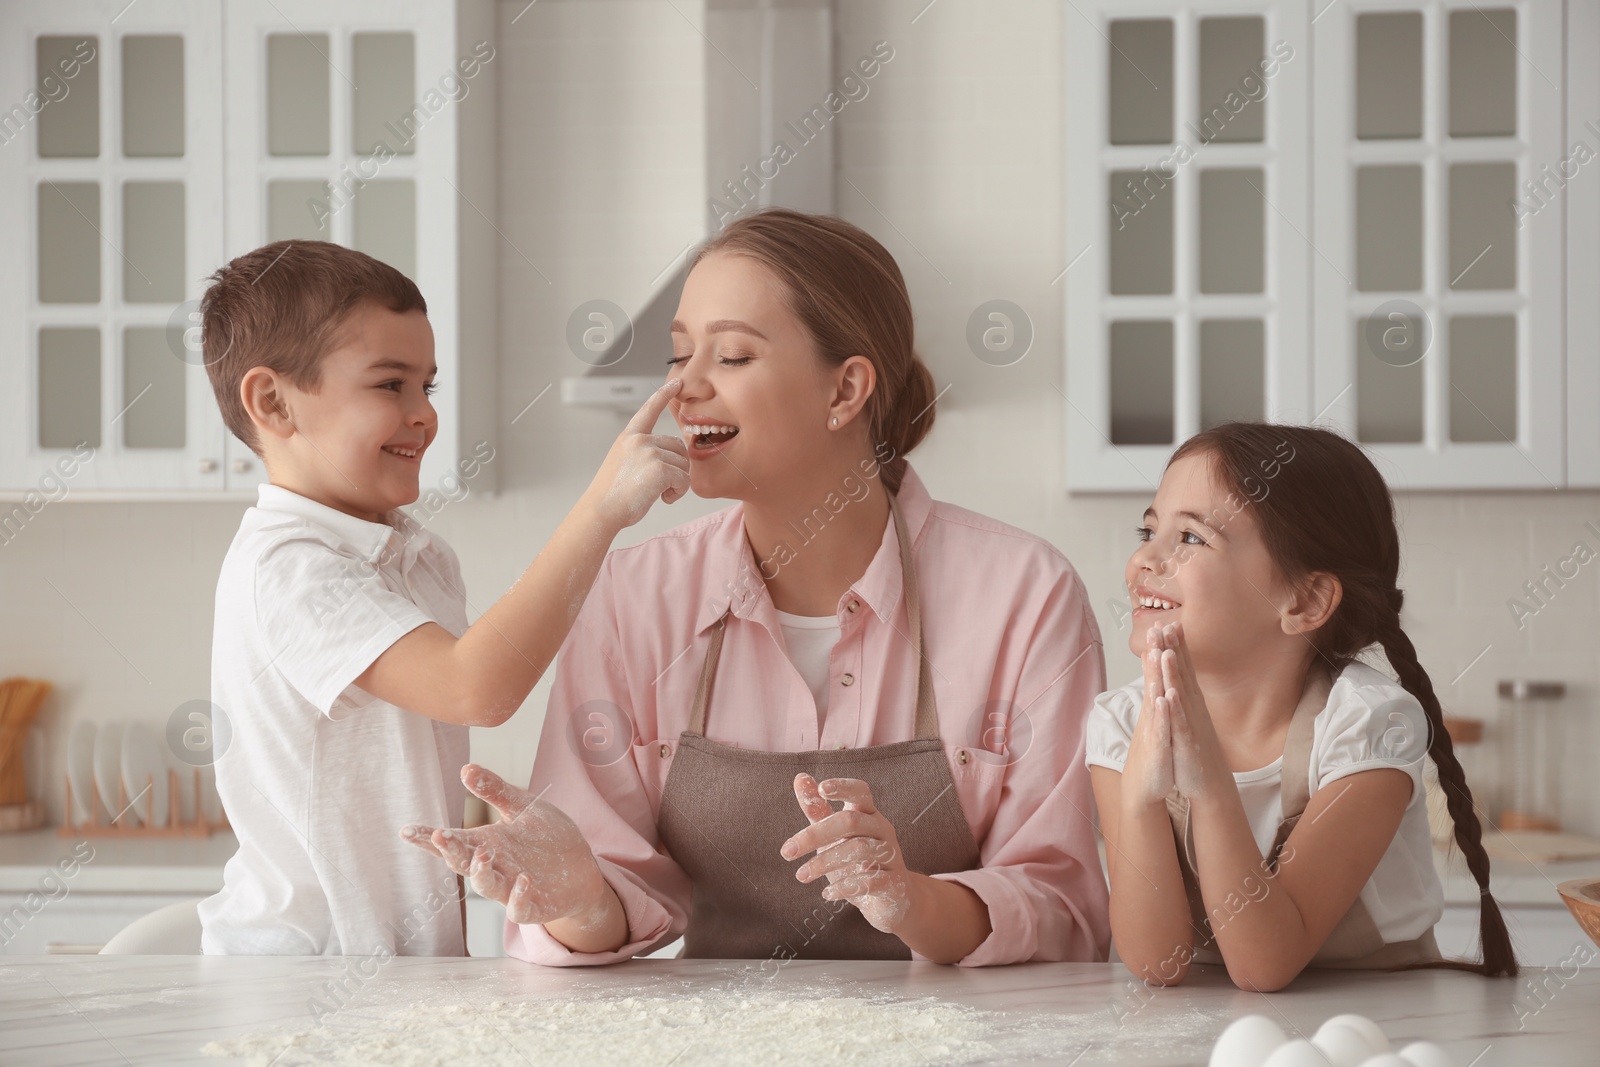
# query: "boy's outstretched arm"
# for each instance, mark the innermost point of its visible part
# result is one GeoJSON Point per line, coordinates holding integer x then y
{"type": "Point", "coordinates": [482, 677]}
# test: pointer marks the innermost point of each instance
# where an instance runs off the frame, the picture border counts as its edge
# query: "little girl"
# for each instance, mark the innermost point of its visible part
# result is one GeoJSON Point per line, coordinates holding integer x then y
{"type": "Point", "coordinates": [1260, 790]}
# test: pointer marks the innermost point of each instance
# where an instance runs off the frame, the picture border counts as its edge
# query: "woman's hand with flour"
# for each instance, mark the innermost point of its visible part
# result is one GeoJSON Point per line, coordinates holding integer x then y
{"type": "Point", "coordinates": [857, 850]}
{"type": "Point", "coordinates": [535, 861]}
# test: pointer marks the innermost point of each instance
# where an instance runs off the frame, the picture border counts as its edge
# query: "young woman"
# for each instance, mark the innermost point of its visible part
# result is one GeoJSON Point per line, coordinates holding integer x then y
{"type": "Point", "coordinates": [1260, 790]}
{"type": "Point", "coordinates": [836, 720]}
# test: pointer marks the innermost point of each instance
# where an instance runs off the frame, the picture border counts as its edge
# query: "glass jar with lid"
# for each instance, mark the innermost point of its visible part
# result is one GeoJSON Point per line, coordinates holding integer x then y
{"type": "Point", "coordinates": [1531, 730]}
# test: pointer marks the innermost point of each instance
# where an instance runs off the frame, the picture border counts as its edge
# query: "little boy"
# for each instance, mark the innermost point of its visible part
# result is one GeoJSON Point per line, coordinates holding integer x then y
{"type": "Point", "coordinates": [341, 654]}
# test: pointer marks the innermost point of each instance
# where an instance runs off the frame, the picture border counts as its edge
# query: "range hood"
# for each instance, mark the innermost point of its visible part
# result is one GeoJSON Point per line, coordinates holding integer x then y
{"type": "Point", "coordinates": [768, 71]}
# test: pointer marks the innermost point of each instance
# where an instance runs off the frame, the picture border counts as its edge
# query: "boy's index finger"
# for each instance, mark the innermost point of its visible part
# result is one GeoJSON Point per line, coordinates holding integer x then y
{"type": "Point", "coordinates": [644, 420]}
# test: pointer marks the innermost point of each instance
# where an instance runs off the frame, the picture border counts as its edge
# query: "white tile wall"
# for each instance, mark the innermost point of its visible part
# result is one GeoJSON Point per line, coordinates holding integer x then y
{"type": "Point", "coordinates": [954, 162]}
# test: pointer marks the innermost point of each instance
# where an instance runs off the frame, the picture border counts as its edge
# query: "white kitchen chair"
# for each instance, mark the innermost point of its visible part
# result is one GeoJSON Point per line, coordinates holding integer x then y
{"type": "Point", "coordinates": [170, 931]}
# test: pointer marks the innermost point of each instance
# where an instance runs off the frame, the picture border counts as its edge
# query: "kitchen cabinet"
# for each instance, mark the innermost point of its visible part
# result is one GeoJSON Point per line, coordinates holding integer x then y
{"type": "Point", "coordinates": [1354, 214]}
{"type": "Point", "coordinates": [153, 142]}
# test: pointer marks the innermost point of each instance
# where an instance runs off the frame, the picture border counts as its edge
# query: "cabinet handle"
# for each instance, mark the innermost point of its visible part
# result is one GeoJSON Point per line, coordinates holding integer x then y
{"type": "Point", "coordinates": [240, 466]}
{"type": "Point", "coordinates": [208, 466]}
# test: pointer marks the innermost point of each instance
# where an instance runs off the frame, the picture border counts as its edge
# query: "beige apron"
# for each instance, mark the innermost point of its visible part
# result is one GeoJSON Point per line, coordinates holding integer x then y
{"type": "Point", "coordinates": [1355, 942]}
{"type": "Point", "coordinates": [725, 812]}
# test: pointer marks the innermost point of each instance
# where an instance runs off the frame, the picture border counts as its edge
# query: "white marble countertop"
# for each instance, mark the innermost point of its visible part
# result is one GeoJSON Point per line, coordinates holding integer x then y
{"type": "Point", "coordinates": [162, 1010]}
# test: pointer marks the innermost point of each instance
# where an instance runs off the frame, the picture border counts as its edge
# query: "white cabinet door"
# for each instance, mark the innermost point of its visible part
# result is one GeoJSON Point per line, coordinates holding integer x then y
{"type": "Point", "coordinates": [343, 127]}
{"type": "Point", "coordinates": [1187, 215]}
{"type": "Point", "coordinates": [113, 157]}
{"type": "Point", "coordinates": [1439, 275]}
{"type": "Point", "coordinates": [1577, 179]}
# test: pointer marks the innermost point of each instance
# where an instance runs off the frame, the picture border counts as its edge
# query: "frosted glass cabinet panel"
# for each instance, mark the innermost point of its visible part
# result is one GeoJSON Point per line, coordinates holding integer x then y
{"type": "Point", "coordinates": [1483, 72]}
{"type": "Point", "coordinates": [153, 252]}
{"type": "Point", "coordinates": [298, 120]}
{"type": "Point", "coordinates": [1389, 228]}
{"type": "Point", "coordinates": [1139, 90]}
{"type": "Point", "coordinates": [383, 68]}
{"type": "Point", "coordinates": [1141, 383]}
{"type": "Point", "coordinates": [1388, 75]}
{"type": "Point", "coordinates": [1229, 49]}
{"type": "Point", "coordinates": [68, 76]}
{"type": "Point", "coordinates": [152, 96]}
{"type": "Point", "coordinates": [69, 387]}
{"type": "Point", "coordinates": [1232, 371]}
{"type": "Point", "coordinates": [69, 243]}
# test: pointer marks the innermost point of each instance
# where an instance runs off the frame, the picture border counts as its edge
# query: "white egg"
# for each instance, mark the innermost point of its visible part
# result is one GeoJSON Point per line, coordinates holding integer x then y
{"type": "Point", "coordinates": [1369, 1031]}
{"type": "Point", "coordinates": [1297, 1053]}
{"type": "Point", "coordinates": [1247, 1042]}
{"type": "Point", "coordinates": [1388, 1059]}
{"type": "Point", "coordinates": [1343, 1044]}
{"type": "Point", "coordinates": [1426, 1054]}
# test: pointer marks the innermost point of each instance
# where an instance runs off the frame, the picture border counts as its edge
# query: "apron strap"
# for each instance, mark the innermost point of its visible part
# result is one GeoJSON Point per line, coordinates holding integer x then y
{"type": "Point", "coordinates": [927, 711]}
{"type": "Point", "coordinates": [702, 692]}
{"type": "Point", "coordinates": [1296, 767]}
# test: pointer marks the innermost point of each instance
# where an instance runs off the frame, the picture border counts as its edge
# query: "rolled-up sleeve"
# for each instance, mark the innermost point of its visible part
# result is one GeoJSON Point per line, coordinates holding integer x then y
{"type": "Point", "coordinates": [585, 767]}
{"type": "Point", "coordinates": [1040, 867]}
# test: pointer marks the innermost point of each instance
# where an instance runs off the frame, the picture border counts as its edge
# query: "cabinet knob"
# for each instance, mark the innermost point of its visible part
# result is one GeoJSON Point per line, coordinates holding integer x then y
{"type": "Point", "coordinates": [240, 466]}
{"type": "Point", "coordinates": [208, 466]}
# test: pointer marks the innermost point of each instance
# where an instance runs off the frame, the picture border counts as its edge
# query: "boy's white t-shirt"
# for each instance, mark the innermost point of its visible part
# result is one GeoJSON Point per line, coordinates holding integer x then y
{"type": "Point", "coordinates": [809, 641]}
{"type": "Point", "coordinates": [1370, 721]}
{"type": "Point", "coordinates": [318, 776]}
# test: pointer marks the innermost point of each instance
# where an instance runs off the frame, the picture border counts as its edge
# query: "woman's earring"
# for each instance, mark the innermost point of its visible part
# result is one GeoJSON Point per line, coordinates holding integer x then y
{"type": "Point", "coordinates": [836, 420]}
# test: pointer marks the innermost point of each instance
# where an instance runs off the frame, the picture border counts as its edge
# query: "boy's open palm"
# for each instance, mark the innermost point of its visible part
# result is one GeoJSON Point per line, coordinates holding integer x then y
{"type": "Point", "coordinates": [534, 861]}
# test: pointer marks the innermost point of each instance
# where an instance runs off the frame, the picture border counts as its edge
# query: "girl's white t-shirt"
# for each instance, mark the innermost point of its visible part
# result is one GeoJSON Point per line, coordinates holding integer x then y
{"type": "Point", "coordinates": [809, 641]}
{"type": "Point", "coordinates": [1370, 721]}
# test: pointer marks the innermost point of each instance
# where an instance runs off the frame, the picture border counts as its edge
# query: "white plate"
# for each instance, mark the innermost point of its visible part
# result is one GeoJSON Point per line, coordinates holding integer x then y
{"type": "Point", "coordinates": [80, 770]}
{"type": "Point", "coordinates": [142, 766]}
{"type": "Point", "coordinates": [184, 797]}
{"type": "Point", "coordinates": [210, 800]}
{"type": "Point", "coordinates": [108, 767]}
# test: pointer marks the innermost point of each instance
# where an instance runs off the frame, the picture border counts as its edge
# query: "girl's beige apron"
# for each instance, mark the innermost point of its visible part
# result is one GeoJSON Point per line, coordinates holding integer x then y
{"type": "Point", "coordinates": [725, 812]}
{"type": "Point", "coordinates": [1355, 941]}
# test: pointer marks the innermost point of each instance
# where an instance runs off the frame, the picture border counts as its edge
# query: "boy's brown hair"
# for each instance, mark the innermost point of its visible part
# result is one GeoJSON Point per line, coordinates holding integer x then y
{"type": "Point", "coordinates": [280, 307]}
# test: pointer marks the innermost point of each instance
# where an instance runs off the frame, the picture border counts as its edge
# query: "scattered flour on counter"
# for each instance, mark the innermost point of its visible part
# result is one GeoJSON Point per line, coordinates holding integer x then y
{"type": "Point", "coordinates": [636, 1030]}
{"type": "Point", "coordinates": [707, 1029]}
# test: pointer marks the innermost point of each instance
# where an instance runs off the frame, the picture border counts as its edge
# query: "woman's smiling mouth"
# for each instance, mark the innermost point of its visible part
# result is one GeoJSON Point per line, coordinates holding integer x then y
{"type": "Point", "coordinates": [706, 438]}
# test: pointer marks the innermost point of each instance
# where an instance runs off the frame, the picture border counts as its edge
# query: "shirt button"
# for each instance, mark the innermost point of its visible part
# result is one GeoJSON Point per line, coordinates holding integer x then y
{"type": "Point", "coordinates": [852, 606]}
{"type": "Point", "coordinates": [841, 745]}
{"type": "Point", "coordinates": [848, 679]}
{"type": "Point", "coordinates": [666, 750]}
{"type": "Point", "coordinates": [961, 756]}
